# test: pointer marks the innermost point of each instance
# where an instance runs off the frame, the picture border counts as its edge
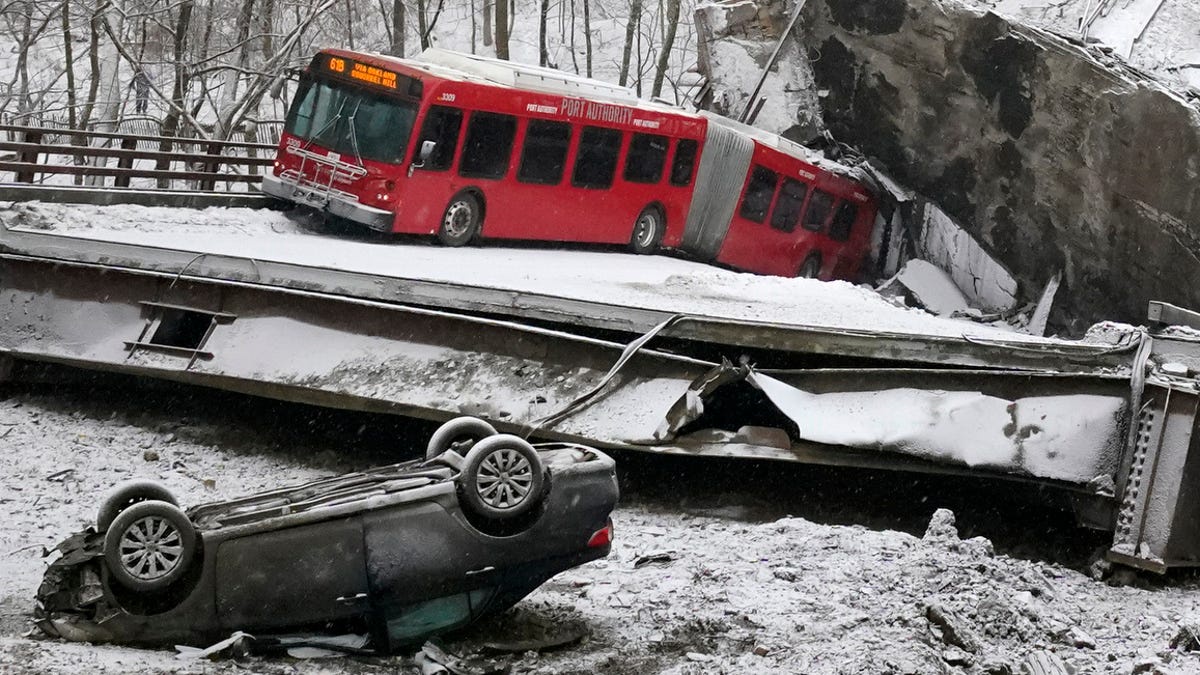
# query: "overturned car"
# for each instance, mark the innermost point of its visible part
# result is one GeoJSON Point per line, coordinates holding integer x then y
{"type": "Point", "coordinates": [399, 552]}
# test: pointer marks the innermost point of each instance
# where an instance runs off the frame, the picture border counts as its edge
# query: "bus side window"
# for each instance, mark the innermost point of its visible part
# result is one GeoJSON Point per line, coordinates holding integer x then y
{"type": "Point", "coordinates": [685, 161]}
{"type": "Point", "coordinates": [843, 221]}
{"type": "Point", "coordinates": [545, 154]}
{"type": "Point", "coordinates": [647, 154]}
{"type": "Point", "coordinates": [758, 194]}
{"type": "Point", "coordinates": [597, 158]}
{"type": "Point", "coordinates": [488, 146]}
{"type": "Point", "coordinates": [787, 207]}
{"type": "Point", "coordinates": [441, 126]}
{"type": "Point", "coordinates": [819, 206]}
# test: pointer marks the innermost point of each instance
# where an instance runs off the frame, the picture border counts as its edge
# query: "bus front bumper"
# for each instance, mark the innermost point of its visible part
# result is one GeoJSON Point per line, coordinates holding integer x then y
{"type": "Point", "coordinates": [318, 197]}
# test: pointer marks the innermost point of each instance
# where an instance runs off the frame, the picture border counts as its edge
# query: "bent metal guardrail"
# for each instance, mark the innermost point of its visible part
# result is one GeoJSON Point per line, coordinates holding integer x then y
{"type": "Point", "coordinates": [41, 155]}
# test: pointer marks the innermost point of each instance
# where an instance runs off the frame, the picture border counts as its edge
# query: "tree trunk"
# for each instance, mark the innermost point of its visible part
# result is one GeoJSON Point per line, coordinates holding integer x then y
{"type": "Point", "coordinates": [543, 53]}
{"type": "Point", "coordinates": [487, 23]}
{"type": "Point", "coordinates": [474, 26]}
{"type": "Point", "coordinates": [587, 34]}
{"type": "Point", "coordinates": [501, 29]}
{"type": "Point", "coordinates": [170, 125]}
{"type": "Point", "coordinates": [574, 56]}
{"type": "Point", "coordinates": [664, 57]}
{"type": "Point", "coordinates": [268, 29]}
{"type": "Point", "coordinates": [68, 54]}
{"type": "Point", "coordinates": [350, 24]}
{"type": "Point", "coordinates": [94, 66]}
{"type": "Point", "coordinates": [398, 28]}
{"type": "Point", "coordinates": [229, 90]}
{"type": "Point", "coordinates": [422, 28]}
{"type": "Point", "coordinates": [635, 17]}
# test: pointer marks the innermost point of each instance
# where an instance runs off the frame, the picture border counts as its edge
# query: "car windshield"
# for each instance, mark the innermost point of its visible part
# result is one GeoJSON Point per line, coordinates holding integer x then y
{"type": "Point", "coordinates": [351, 121]}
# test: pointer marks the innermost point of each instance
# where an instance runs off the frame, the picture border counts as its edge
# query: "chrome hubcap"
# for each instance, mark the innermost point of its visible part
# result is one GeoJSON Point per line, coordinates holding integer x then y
{"type": "Point", "coordinates": [646, 226]}
{"type": "Point", "coordinates": [505, 478]}
{"type": "Point", "coordinates": [458, 219]}
{"type": "Point", "coordinates": [151, 548]}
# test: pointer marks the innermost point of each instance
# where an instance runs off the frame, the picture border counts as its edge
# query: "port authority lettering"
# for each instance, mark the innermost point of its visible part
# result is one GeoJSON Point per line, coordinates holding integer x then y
{"type": "Point", "coordinates": [599, 112]}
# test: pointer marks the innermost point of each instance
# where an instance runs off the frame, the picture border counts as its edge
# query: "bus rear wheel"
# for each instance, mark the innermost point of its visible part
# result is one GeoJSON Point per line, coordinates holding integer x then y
{"type": "Point", "coordinates": [811, 269]}
{"type": "Point", "coordinates": [461, 221]}
{"type": "Point", "coordinates": [648, 231]}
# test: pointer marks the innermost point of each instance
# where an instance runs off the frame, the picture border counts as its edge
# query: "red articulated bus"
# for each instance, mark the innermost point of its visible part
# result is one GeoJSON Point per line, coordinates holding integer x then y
{"type": "Point", "coordinates": [465, 147]}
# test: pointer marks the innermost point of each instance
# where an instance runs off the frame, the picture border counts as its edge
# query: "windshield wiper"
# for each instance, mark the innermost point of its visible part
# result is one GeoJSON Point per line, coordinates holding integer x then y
{"type": "Point", "coordinates": [354, 134]}
{"type": "Point", "coordinates": [332, 121]}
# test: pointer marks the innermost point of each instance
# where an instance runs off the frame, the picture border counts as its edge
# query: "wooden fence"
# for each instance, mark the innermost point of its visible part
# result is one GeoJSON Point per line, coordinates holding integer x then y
{"type": "Point", "coordinates": [47, 156]}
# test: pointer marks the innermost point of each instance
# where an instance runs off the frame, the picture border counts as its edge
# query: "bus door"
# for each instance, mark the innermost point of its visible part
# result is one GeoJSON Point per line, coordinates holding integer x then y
{"type": "Point", "coordinates": [724, 164]}
{"type": "Point", "coordinates": [429, 186]}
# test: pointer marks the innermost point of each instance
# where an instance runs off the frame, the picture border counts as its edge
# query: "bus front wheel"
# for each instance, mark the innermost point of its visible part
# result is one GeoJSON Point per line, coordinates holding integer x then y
{"type": "Point", "coordinates": [811, 269]}
{"type": "Point", "coordinates": [461, 221]}
{"type": "Point", "coordinates": [648, 231]}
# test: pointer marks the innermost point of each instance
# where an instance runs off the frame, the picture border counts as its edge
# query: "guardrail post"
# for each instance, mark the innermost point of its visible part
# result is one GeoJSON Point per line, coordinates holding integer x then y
{"type": "Point", "coordinates": [125, 162]}
{"type": "Point", "coordinates": [210, 184]}
{"type": "Point", "coordinates": [29, 156]}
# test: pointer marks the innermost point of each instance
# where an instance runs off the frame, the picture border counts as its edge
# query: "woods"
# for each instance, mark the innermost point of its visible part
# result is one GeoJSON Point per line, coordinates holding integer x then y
{"type": "Point", "coordinates": [204, 67]}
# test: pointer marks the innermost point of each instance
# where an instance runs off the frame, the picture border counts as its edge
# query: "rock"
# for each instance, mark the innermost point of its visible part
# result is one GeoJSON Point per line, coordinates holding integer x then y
{"type": "Point", "coordinates": [1080, 639]}
{"type": "Point", "coordinates": [698, 657]}
{"type": "Point", "coordinates": [1187, 637]}
{"type": "Point", "coordinates": [1026, 140]}
{"type": "Point", "coordinates": [957, 657]}
{"type": "Point", "coordinates": [150, 456]}
{"type": "Point", "coordinates": [761, 650]}
{"type": "Point", "coordinates": [954, 631]}
{"type": "Point", "coordinates": [1147, 664]}
{"type": "Point", "coordinates": [941, 527]}
{"type": "Point", "coordinates": [792, 574]}
{"type": "Point", "coordinates": [1043, 663]}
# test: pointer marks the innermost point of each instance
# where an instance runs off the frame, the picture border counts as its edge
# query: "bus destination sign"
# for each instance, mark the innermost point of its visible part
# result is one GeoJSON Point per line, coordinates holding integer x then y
{"type": "Point", "coordinates": [362, 72]}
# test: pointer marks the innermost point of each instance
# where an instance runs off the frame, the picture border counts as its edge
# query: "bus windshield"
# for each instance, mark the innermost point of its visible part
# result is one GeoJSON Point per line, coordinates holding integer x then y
{"type": "Point", "coordinates": [351, 121]}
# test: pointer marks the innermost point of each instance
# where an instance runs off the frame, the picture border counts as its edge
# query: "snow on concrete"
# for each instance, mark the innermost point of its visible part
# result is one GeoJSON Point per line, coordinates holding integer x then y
{"type": "Point", "coordinates": [651, 282]}
{"type": "Point", "coordinates": [933, 288]}
{"type": "Point", "coordinates": [1072, 438]}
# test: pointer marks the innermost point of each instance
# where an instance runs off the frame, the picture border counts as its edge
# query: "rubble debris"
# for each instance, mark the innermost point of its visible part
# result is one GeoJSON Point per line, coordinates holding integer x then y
{"type": "Point", "coordinates": [1043, 662]}
{"type": "Point", "coordinates": [1188, 636]}
{"type": "Point", "coordinates": [932, 288]}
{"type": "Point", "coordinates": [953, 631]}
{"type": "Point", "coordinates": [655, 558]}
{"type": "Point", "coordinates": [433, 660]}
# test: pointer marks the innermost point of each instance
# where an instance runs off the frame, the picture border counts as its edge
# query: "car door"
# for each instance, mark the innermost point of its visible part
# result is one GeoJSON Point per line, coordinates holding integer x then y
{"type": "Point", "coordinates": [294, 576]}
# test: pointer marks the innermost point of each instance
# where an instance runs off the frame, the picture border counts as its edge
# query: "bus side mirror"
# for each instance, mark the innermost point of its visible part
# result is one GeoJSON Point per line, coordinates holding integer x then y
{"type": "Point", "coordinates": [427, 148]}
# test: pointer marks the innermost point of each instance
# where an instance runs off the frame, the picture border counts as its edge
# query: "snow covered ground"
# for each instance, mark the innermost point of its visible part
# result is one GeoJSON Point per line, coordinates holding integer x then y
{"type": "Point", "coordinates": [651, 282]}
{"type": "Point", "coordinates": [739, 568]}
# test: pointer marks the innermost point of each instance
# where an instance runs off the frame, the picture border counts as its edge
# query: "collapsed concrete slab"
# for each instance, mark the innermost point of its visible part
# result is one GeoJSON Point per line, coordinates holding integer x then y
{"type": "Point", "coordinates": [1056, 159]}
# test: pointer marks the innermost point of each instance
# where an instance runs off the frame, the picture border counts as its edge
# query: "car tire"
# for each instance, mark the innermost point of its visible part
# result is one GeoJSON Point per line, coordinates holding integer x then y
{"type": "Point", "coordinates": [149, 546]}
{"type": "Point", "coordinates": [648, 231]}
{"type": "Point", "coordinates": [455, 432]}
{"type": "Point", "coordinates": [461, 221]}
{"type": "Point", "coordinates": [811, 269]}
{"type": "Point", "coordinates": [127, 494]}
{"type": "Point", "coordinates": [502, 478]}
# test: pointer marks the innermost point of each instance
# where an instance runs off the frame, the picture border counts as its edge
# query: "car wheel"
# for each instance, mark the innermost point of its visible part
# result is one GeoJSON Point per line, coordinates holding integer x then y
{"type": "Point", "coordinates": [149, 546]}
{"type": "Point", "coordinates": [127, 494]}
{"type": "Point", "coordinates": [456, 434]}
{"type": "Point", "coordinates": [502, 478]}
{"type": "Point", "coordinates": [461, 221]}
{"type": "Point", "coordinates": [648, 231]}
{"type": "Point", "coordinates": [811, 269]}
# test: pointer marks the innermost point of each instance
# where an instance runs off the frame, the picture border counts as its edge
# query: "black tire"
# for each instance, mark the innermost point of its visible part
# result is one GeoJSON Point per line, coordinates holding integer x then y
{"type": "Point", "coordinates": [149, 546]}
{"type": "Point", "coordinates": [127, 494]}
{"type": "Point", "coordinates": [461, 220]}
{"type": "Point", "coordinates": [811, 269]}
{"type": "Point", "coordinates": [456, 432]}
{"type": "Point", "coordinates": [648, 231]}
{"type": "Point", "coordinates": [502, 478]}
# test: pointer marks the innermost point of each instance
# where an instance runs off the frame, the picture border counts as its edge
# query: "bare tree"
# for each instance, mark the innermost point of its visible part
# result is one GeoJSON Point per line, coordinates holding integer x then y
{"type": "Point", "coordinates": [664, 56]}
{"type": "Point", "coordinates": [501, 29]}
{"type": "Point", "coordinates": [543, 53]}
{"type": "Point", "coordinates": [397, 28]}
{"type": "Point", "coordinates": [631, 27]}
{"type": "Point", "coordinates": [487, 23]}
{"type": "Point", "coordinates": [69, 57]}
{"type": "Point", "coordinates": [587, 34]}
